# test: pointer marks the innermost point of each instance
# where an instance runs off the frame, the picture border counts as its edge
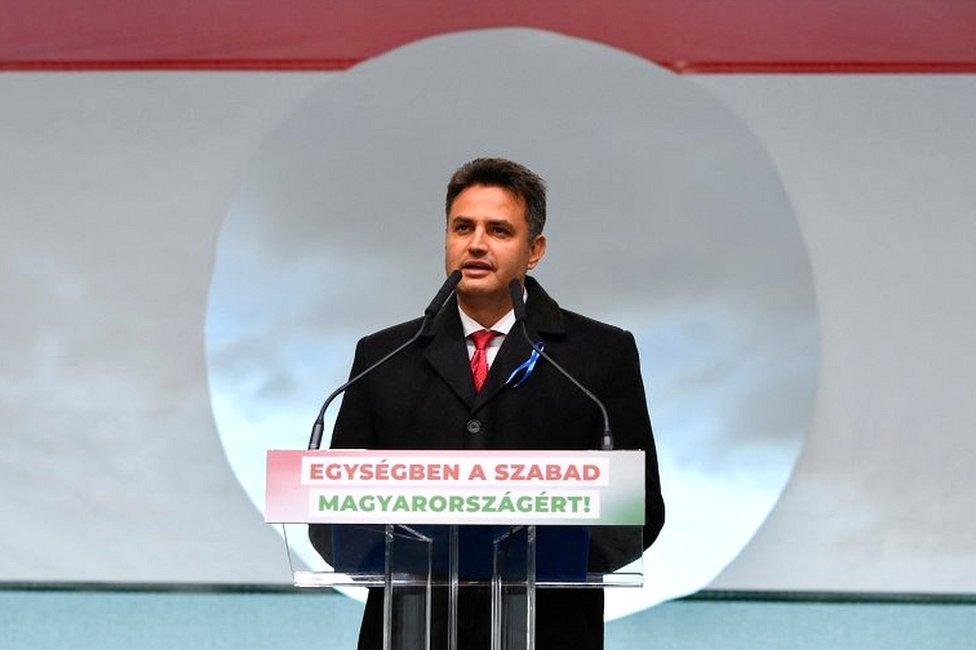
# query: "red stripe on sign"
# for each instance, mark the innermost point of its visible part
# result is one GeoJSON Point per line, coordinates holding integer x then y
{"type": "Point", "coordinates": [294, 65]}
{"type": "Point", "coordinates": [338, 65]}
{"type": "Point", "coordinates": [818, 67]}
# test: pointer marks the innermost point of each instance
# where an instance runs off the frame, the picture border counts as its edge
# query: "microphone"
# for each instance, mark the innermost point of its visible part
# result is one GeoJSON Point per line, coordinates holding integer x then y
{"type": "Point", "coordinates": [515, 291]}
{"type": "Point", "coordinates": [518, 305]}
{"type": "Point", "coordinates": [449, 284]}
{"type": "Point", "coordinates": [315, 440]}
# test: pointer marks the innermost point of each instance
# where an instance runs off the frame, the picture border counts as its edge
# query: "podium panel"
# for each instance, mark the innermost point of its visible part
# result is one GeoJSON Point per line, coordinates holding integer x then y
{"type": "Point", "coordinates": [353, 555]}
{"type": "Point", "coordinates": [513, 584]}
{"type": "Point", "coordinates": [537, 535]}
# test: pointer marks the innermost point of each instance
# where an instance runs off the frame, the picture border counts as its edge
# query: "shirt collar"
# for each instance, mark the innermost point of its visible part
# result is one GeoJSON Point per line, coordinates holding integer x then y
{"type": "Point", "coordinates": [503, 326]}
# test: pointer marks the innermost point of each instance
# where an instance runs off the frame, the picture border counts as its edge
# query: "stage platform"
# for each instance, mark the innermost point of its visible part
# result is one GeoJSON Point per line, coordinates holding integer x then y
{"type": "Point", "coordinates": [150, 617]}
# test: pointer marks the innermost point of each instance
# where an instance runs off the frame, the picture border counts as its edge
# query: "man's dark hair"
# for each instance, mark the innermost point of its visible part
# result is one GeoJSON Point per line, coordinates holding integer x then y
{"type": "Point", "coordinates": [517, 179]}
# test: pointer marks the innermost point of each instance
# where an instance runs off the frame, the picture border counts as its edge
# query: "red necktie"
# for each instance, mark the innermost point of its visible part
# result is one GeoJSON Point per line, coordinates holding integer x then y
{"type": "Point", "coordinates": [479, 360]}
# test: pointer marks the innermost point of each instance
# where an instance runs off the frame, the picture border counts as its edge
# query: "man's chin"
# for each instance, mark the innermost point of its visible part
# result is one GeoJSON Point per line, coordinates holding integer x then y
{"type": "Point", "coordinates": [478, 287]}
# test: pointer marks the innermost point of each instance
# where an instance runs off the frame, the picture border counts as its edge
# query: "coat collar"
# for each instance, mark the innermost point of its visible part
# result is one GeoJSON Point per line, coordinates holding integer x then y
{"type": "Point", "coordinates": [542, 313]}
{"type": "Point", "coordinates": [447, 351]}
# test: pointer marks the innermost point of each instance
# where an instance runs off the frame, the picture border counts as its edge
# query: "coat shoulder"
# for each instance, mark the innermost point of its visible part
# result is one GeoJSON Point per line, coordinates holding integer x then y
{"type": "Point", "coordinates": [591, 328]}
{"type": "Point", "coordinates": [392, 336]}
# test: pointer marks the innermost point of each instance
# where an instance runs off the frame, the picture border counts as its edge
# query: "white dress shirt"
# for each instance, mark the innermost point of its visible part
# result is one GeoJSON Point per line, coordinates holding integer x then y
{"type": "Point", "coordinates": [501, 328]}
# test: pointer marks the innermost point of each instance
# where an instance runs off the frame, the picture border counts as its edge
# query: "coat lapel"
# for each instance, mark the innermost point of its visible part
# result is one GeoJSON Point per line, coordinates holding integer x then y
{"type": "Point", "coordinates": [543, 318]}
{"type": "Point", "coordinates": [448, 353]}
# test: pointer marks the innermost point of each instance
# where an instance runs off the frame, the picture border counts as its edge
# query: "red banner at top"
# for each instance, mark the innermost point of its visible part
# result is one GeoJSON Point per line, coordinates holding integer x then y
{"type": "Point", "coordinates": [736, 36]}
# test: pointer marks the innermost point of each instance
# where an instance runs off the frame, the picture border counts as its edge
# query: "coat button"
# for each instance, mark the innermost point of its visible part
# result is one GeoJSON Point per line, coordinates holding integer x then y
{"type": "Point", "coordinates": [474, 426]}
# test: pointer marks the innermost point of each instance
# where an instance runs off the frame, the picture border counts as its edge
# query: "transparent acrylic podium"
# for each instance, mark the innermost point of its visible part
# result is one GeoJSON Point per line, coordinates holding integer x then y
{"type": "Point", "coordinates": [424, 571]}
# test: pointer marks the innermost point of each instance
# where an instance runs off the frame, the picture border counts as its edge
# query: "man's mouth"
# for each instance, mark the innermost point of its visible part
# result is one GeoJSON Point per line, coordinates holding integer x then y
{"type": "Point", "coordinates": [476, 266]}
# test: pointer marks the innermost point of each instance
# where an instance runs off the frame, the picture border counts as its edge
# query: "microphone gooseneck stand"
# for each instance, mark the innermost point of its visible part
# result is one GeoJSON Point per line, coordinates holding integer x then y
{"type": "Point", "coordinates": [315, 440]}
{"type": "Point", "coordinates": [515, 290]}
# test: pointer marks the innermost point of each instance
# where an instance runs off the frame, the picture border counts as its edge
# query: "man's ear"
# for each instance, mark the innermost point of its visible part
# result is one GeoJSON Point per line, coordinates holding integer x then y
{"type": "Point", "coordinates": [537, 250]}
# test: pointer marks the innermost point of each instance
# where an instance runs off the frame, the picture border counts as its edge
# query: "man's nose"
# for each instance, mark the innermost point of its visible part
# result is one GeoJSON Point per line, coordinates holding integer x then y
{"type": "Point", "coordinates": [478, 241]}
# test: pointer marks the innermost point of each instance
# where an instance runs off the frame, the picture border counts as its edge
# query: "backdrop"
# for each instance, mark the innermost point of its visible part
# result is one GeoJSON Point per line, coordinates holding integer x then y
{"type": "Point", "coordinates": [116, 186]}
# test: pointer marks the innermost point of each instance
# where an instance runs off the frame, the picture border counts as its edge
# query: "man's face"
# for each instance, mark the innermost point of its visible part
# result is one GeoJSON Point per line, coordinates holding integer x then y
{"type": "Point", "coordinates": [488, 239]}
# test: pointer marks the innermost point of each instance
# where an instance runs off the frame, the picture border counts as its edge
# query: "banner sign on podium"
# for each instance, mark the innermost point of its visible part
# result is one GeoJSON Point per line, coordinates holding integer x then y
{"type": "Point", "coordinates": [590, 488]}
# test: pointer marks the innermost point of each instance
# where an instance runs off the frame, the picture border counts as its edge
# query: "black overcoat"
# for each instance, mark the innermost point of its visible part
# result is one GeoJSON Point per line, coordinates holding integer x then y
{"type": "Point", "coordinates": [425, 399]}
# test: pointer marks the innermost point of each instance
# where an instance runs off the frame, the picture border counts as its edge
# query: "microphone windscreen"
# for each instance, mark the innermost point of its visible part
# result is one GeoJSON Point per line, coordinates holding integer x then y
{"type": "Point", "coordinates": [449, 284]}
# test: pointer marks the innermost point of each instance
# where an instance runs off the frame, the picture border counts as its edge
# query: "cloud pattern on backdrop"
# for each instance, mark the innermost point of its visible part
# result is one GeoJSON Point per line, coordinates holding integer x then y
{"type": "Point", "coordinates": [666, 217]}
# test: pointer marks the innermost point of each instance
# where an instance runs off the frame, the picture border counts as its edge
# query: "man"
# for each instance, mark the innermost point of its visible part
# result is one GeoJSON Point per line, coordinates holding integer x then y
{"type": "Point", "coordinates": [451, 390]}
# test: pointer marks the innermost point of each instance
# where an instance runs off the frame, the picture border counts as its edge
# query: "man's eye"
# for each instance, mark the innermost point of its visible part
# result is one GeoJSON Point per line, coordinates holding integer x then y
{"type": "Point", "coordinates": [461, 227]}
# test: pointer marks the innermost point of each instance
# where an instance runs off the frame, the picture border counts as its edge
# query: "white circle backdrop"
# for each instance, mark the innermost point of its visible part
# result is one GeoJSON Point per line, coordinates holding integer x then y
{"type": "Point", "coordinates": [666, 217]}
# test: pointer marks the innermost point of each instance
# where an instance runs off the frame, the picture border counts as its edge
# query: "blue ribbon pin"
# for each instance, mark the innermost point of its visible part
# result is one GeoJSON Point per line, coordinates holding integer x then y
{"type": "Point", "coordinates": [524, 370]}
